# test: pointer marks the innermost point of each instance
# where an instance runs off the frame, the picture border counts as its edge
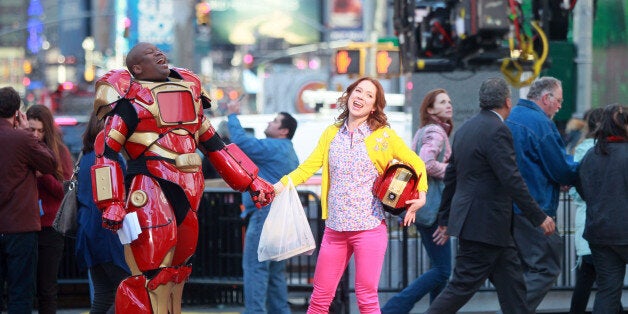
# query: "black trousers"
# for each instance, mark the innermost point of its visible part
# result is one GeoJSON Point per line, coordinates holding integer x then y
{"type": "Point", "coordinates": [105, 279]}
{"type": "Point", "coordinates": [475, 263]}
{"type": "Point", "coordinates": [610, 264]}
{"type": "Point", "coordinates": [50, 250]}
{"type": "Point", "coordinates": [585, 278]}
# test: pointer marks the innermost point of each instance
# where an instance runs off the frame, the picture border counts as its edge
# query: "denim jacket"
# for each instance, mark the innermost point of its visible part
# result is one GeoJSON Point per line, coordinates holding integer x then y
{"type": "Point", "coordinates": [541, 155]}
{"type": "Point", "coordinates": [274, 157]}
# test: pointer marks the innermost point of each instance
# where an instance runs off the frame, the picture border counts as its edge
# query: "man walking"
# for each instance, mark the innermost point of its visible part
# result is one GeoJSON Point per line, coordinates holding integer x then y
{"type": "Point", "coordinates": [481, 182]}
{"type": "Point", "coordinates": [265, 289]}
{"type": "Point", "coordinates": [23, 156]}
{"type": "Point", "coordinates": [544, 166]}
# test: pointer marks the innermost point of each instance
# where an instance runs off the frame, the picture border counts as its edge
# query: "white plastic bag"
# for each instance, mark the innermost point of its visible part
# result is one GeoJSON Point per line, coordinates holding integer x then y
{"type": "Point", "coordinates": [286, 231]}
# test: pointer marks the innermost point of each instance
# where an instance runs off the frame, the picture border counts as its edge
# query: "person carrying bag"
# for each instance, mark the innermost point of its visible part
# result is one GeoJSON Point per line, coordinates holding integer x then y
{"type": "Point", "coordinates": [426, 217]}
{"type": "Point", "coordinates": [431, 143]}
{"type": "Point", "coordinates": [65, 221]}
{"type": "Point", "coordinates": [286, 232]}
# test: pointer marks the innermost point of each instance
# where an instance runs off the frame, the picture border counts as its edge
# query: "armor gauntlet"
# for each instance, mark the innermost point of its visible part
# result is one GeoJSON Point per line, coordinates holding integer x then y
{"type": "Point", "coordinates": [108, 187]}
{"type": "Point", "coordinates": [240, 173]}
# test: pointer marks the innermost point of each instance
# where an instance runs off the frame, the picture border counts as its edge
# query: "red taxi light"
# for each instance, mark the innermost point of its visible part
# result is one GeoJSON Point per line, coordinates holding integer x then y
{"type": "Point", "coordinates": [64, 121]}
{"type": "Point", "coordinates": [67, 85]}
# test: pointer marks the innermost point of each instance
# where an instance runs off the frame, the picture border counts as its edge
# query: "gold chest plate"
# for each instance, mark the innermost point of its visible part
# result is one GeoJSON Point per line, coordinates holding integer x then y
{"type": "Point", "coordinates": [173, 103]}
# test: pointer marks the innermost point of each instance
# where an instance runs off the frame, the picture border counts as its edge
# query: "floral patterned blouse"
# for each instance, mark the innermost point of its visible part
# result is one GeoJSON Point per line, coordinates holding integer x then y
{"type": "Point", "coordinates": [352, 206]}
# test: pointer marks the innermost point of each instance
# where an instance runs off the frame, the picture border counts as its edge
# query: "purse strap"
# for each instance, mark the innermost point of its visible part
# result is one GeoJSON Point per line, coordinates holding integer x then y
{"type": "Point", "coordinates": [76, 166]}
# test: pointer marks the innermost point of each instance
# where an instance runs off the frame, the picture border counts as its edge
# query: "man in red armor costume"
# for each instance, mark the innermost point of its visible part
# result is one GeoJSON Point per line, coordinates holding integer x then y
{"type": "Point", "coordinates": [154, 115]}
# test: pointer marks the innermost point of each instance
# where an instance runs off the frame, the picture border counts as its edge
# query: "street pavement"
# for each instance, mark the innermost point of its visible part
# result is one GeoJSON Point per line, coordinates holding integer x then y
{"type": "Point", "coordinates": [556, 302]}
{"type": "Point", "coordinates": [189, 310]}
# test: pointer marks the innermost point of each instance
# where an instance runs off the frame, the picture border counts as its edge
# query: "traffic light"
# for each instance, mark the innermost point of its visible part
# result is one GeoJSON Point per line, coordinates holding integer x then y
{"type": "Point", "coordinates": [203, 11]}
{"type": "Point", "coordinates": [350, 61]}
{"type": "Point", "coordinates": [388, 62]}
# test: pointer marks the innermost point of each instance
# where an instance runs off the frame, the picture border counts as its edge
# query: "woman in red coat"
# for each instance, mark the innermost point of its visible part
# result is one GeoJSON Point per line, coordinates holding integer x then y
{"type": "Point", "coordinates": [50, 189]}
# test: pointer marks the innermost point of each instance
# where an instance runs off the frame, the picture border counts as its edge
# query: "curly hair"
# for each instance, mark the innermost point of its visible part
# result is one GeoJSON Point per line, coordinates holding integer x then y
{"type": "Point", "coordinates": [375, 120]}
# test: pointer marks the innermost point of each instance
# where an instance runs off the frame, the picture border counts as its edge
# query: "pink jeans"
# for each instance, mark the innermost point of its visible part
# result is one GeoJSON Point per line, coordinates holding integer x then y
{"type": "Point", "coordinates": [369, 247]}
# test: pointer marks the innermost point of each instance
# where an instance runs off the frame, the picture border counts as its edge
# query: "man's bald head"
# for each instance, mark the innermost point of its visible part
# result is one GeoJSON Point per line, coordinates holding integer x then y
{"type": "Point", "coordinates": [146, 62]}
{"type": "Point", "coordinates": [134, 56]}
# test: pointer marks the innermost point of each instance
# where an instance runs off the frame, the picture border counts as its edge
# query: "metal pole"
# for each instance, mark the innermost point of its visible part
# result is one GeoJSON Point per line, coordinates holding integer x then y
{"type": "Point", "coordinates": [583, 34]}
{"type": "Point", "coordinates": [184, 47]}
{"type": "Point", "coordinates": [370, 34]}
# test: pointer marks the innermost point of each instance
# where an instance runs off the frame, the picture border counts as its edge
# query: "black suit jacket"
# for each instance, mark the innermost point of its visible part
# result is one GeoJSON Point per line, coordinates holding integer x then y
{"type": "Point", "coordinates": [481, 182]}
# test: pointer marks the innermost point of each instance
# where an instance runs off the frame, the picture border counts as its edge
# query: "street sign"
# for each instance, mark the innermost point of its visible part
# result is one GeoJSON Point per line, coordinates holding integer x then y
{"type": "Point", "coordinates": [388, 62]}
{"type": "Point", "coordinates": [350, 61]}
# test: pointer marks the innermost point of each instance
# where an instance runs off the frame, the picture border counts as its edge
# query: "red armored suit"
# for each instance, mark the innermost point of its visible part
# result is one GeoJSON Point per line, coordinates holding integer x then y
{"type": "Point", "coordinates": [159, 126]}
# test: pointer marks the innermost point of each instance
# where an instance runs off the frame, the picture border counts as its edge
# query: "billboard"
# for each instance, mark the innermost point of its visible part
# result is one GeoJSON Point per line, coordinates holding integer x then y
{"type": "Point", "coordinates": [152, 21]}
{"type": "Point", "coordinates": [242, 22]}
{"type": "Point", "coordinates": [346, 20]}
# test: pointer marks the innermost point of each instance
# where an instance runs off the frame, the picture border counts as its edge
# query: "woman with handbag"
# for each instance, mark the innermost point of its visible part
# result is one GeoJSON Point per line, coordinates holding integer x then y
{"type": "Point", "coordinates": [431, 142]}
{"type": "Point", "coordinates": [353, 152]}
{"type": "Point", "coordinates": [97, 249]}
{"type": "Point", "coordinates": [50, 190]}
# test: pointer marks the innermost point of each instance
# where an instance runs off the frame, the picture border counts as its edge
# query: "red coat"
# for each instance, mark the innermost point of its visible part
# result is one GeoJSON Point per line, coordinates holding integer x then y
{"type": "Point", "coordinates": [51, 190]}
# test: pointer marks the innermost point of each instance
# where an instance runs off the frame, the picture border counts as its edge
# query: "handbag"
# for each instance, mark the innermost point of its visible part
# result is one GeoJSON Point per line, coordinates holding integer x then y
{"type": "Point", "coordinates": [66, 221]}
{"type": "Point", "coordinates": [426, 215]}
{"type": "Point", "coordinates": [396, 185]}
{"type": "Point", "coordinates": [286, 231]}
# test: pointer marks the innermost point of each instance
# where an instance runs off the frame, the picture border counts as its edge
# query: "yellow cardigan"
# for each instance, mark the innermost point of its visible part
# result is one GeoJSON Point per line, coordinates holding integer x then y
{"type": "Point", "coordinates": [382, 146]}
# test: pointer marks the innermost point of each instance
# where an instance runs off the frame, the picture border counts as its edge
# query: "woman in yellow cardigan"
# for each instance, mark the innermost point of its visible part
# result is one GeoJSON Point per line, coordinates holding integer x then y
{"type": "Point", "coordinates": [353, 152]}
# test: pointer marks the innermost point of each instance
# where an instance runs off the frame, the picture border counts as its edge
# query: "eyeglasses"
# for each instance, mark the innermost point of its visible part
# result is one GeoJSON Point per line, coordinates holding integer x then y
{"type": "Point", "coordinates": [560, 100]}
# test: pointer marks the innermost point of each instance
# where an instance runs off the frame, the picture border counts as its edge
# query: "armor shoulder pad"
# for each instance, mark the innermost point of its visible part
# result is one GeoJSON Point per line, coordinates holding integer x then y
{"type": "Point", "coordinates": [188, 75]}
{"type": "Point", "coordinates": [109, 89]}
{"type": "Point", "coordinates": [197, 88]}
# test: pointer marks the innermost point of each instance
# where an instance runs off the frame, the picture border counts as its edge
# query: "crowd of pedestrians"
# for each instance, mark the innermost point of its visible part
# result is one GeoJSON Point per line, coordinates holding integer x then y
{"type": "Point", "coordinates": [499, 177]}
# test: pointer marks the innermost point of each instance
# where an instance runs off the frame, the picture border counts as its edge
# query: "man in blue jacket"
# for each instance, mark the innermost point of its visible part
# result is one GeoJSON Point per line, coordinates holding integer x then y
{"type": "Point", "coordinates": [265, 289]}
{"type": "Point", "coordinates": [545, 166]}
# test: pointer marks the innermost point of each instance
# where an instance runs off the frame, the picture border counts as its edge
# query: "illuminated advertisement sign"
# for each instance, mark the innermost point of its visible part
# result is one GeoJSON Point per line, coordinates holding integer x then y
{"type": "Point", "coordinates": [346, 20]}
{"type": "Point", "coordinates": [242, 22]}
{"type": "Point", "coordinates": [152, 21]}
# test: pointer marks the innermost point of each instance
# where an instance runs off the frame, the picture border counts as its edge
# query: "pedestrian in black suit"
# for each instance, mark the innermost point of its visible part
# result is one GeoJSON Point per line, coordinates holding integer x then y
{"type": "Point", "coordinates": [481, 183]}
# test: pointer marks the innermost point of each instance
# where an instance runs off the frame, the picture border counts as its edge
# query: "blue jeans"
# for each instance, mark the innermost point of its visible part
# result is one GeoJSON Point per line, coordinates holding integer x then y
{"type": "Point", "coordinates": [19, 250]}
{"type": "Point", "coordinates": [432, 281]}
{"type": "Point", "coordinates": [265, 289]}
